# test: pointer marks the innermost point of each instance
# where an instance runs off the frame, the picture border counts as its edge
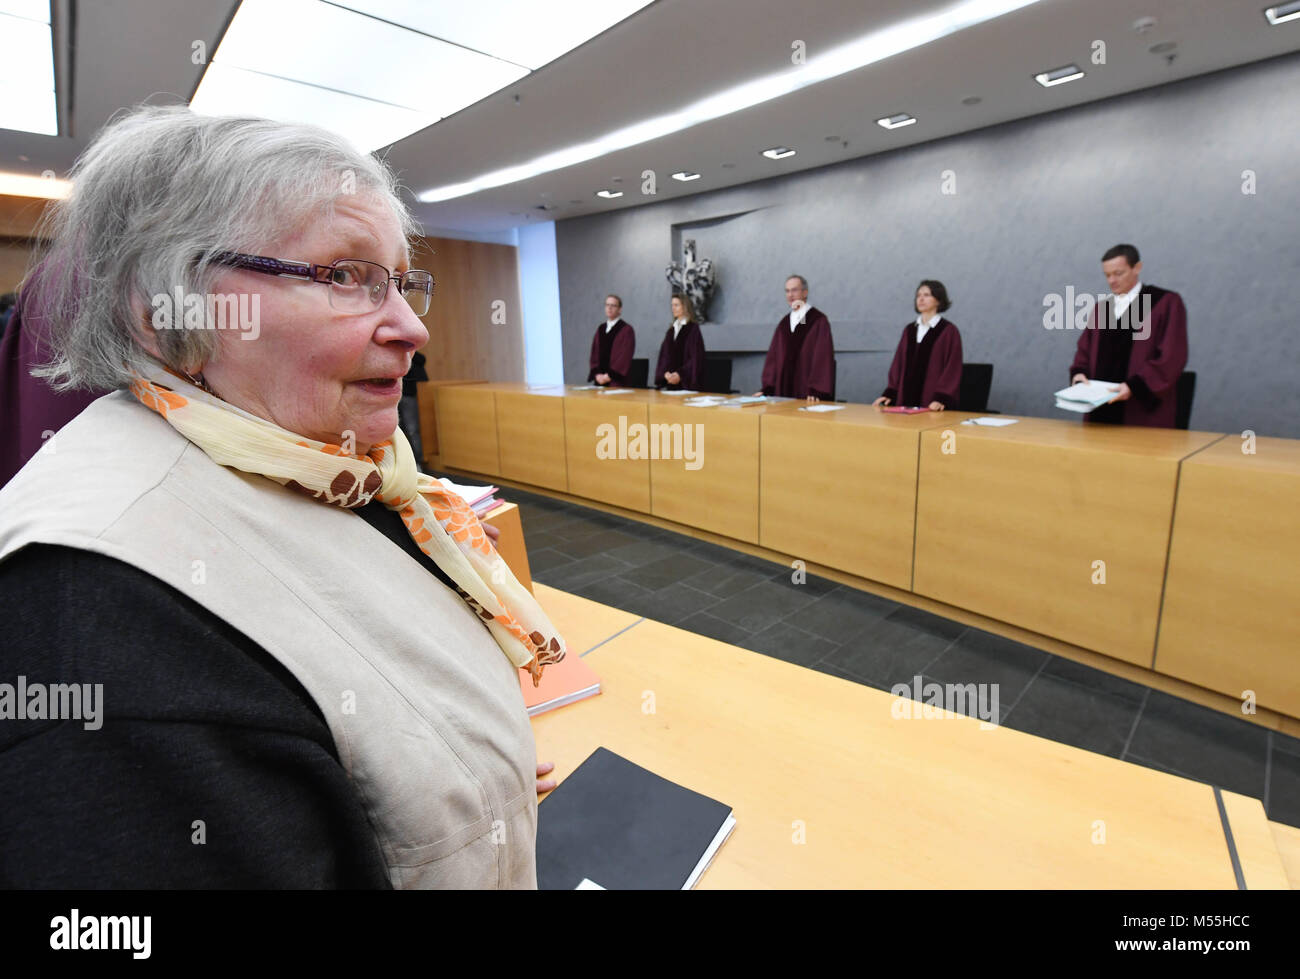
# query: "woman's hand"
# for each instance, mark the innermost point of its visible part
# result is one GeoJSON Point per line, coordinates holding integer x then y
{"type": "Point", "coordinates": [936, 406]}
{"type": "Point", "coordinates": [602, 378]}
{"type": "Point", "coordinates": [494, 533]}
{"type": "Point", "coordinates": [547, 784]}
{"type": "Point", "coordinates": [672, 377]}
{"type": "Point", "coordinates": [880, 402]}
{"type": "Point", "coordinates": [1124, 393]}
{"type": "Point", "coordinates": [1079, 379]}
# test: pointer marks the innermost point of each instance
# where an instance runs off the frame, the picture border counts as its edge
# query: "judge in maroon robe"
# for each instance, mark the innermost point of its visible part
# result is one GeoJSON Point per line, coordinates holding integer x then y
{"type": "Point", "coordinates": [681, 355]}
{"type": "Point", "coordinates": [1137, 340]}
{"type": "Point", "coordinates": [801, 358]}
{"type": "Point", "coordinates": [926, 371]}
{"type": "Point", "coordinates": [612, 347]}
{"type": "Point", "coordinates": [29, 407]}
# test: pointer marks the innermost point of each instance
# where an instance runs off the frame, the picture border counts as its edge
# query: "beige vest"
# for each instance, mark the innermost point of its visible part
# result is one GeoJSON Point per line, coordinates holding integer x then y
{"type": "Point", "coordinates": [425, 710]}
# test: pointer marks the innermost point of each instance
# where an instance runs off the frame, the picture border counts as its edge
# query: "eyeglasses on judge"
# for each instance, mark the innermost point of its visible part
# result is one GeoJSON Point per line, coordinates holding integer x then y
{"type": "Point", "coordinates": [356, 286]}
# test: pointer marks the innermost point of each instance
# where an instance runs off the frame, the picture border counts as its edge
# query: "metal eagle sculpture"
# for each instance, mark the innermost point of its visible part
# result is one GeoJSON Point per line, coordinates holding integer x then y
{"type": "Point", "coordinates": [693, 279]}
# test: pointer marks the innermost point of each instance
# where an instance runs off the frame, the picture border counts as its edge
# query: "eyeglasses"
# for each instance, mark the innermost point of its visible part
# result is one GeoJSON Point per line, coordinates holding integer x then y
{"type": "Point", "coordinates": [356, 286]}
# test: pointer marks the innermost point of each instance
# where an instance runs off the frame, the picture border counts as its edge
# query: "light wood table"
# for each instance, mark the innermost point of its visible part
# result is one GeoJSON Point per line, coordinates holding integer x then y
{"type": "Point", "coordinates": [1231, 618]}
{"type": "Point", "coordinates": [425, 398]}
{"type": "Point", "coordinates": [717, 489]}
{"type": "Point", "coordinates": [594, 419]}
{"type": "Point", "coordinates": [467, 428]}
{"type": "Point", "coordinates": [839, 488]}
{"type": "Point", "coordinates": [510, 545]}
{"type": "Point", "coordinates": [1020, 524]}
{"type": "Point", "coordinates": [830, 789]}
{"type": "Point", "coordinates": [530, 434]}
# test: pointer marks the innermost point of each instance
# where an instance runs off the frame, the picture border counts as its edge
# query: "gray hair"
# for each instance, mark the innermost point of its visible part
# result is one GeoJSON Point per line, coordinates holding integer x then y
{"type": "Point", "coordinates": [156, 196]}
{"type": "Point", "coordinates": [803, 283]}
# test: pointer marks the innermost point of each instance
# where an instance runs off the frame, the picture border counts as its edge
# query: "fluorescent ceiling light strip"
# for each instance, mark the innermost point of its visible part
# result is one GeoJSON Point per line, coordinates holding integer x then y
{"type": "Point", "coordinates": [1282, 13]}
{"type": "Point", "coordinates": [866, 50]}
{"type": "Point", "coordinates": [23, 185]}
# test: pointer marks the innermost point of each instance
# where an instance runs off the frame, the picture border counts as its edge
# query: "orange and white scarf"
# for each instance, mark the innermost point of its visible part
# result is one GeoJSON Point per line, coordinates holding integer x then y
{"type": "Point", "coordinates": [440, 522]}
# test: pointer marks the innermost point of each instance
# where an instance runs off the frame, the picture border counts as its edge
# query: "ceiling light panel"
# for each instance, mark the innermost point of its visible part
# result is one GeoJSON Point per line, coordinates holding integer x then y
{"type": "Point", "coordinates": [348, 52]}
{"type": "Point", "coordinates": [27, 100]}
{"type": "Point", "coordinates": [368, 125]}
{"type": "Point", "coordinates": [526, 32]}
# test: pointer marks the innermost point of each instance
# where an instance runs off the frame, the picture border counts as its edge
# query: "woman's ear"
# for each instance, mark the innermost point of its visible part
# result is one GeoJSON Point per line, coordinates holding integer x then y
{"type": "Point", "coordinates": [145, 334]}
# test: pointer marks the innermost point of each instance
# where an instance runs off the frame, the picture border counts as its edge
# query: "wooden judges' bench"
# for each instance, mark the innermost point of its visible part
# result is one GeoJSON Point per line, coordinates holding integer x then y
{"type": "Point", "coordinates": [1174, 551]}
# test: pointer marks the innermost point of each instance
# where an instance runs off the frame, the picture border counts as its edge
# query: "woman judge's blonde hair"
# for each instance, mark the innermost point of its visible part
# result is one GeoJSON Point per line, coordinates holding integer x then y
{"type": "Point", "coordinates": [688, 309]}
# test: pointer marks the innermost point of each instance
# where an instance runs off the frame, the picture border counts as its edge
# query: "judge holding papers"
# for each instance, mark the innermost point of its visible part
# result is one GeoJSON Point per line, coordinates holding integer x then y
{"type": "Point", "coordinates": [612, 346]}
{"type": "Point", "coordinates": [926, 372]}
{"type": "Point", "coordinates": [801, 359]}
{"type": "Point", "coordinates": [681, 355]}
{"type": "Point", "coordinates": [1137, 341]}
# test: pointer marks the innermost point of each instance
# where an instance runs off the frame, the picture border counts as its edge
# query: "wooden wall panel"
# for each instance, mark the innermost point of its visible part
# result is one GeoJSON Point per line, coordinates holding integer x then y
{"type": "Point", "coordinates": [464, 342]}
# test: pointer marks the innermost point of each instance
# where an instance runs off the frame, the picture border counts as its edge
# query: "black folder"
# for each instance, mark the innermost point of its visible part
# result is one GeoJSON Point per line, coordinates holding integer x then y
{"type": "Point", "coordinates": [624, 828]}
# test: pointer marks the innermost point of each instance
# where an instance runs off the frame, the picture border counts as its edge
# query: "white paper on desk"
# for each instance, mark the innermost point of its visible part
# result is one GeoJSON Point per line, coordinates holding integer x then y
{"type": "Point", "coordinates": [991, 422]}
{"type": "Point", "coordinates": [675, 393]}
{"type": "Point", "coordinates": [470, 494]}
{"type": "Point", "coordinates": [822, 408]}
{"type": "Point", "coordinates": [586, 387]}
{"type": "Point", "coordinates": [1090, 395]}
{"type": "Point", "coordinates": [704, 402]}
{"type": "Point", "coordinates": [618, 390]}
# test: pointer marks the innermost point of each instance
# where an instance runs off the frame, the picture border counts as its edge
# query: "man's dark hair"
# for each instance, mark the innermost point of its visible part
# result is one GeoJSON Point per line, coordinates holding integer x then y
{"type": "Point", "coordinates": [617, 299]}
{"type": "Point", "coordinates": [1129, 253]}
{"type": "Point", "coordinates": [937, 290]}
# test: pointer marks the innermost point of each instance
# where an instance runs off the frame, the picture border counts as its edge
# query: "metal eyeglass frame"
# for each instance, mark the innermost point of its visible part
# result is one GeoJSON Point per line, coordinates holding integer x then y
{"type": "Point", "coordinates": [312, 272]}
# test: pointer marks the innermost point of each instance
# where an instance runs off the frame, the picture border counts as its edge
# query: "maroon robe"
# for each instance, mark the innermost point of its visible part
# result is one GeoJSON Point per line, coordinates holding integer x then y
{"type": "Point", "coordinates": [926, 371]}
{"type": "Point", "coordinates": [801, 364]}
{"type": "Point", "coordinates": [28, 405]}
{"type": "Point", "coordinates": [684, 355]}
{"type": "Point", "coordinates": [1150, 367]}
{"type": "Point", "coordinates": [611, 352]}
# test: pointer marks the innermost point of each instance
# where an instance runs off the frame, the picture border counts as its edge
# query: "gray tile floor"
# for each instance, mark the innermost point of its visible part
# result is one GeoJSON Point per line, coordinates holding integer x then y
{"type": "Point", "coordinates": [748, 602]}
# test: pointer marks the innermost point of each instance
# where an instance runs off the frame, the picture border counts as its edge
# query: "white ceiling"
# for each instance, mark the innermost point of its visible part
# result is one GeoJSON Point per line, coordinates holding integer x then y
{"type": "Point", "coordinates": [673, 53]}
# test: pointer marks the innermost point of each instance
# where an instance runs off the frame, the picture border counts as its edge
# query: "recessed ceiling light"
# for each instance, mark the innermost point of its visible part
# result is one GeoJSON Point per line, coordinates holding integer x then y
{"type": "Point", "coordinates": [609, 195]}
{"type": "Point", "coordinates": [897, 121]}
{"type": "Point", "coordinates": [1058, 76]}
{"type": "Point", "coordinates": [1283, 12]}
{"type": "Point", "coordinates": [778, 152]}
{"type": "Point", "coordinates": [684, 175]}
{"type": "Point", "coordinates": [971, 100]}
{"type": "Point", "coordinates": [868, 49]}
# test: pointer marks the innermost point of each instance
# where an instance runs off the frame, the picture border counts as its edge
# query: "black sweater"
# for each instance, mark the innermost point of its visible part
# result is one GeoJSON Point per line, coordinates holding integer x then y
{"type": "Point", "coordinates": [199, 725]}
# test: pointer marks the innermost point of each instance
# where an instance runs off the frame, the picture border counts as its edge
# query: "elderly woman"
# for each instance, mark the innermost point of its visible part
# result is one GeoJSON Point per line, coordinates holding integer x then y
{"type": "Point", "coordinates": [297, 658]}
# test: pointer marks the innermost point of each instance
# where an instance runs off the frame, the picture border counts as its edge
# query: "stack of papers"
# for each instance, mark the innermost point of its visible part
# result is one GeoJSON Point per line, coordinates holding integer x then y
{"type": "Point", "coordinates": [616, 390]}
{"type": "Point", "coordinates": [482, 499]}
{"type": "Point", "coordinates": [822, 408]}
{"type": "Point", "coordinates": [990, 421]}
{"type": "Point", "coordinates": [682, 391]}
{"type": "Point", "coordinates": [903, 410]}
{"type": "Point", "coordinates": [1085, 397]}
{"type": "Point", "coordinates": [708, 401]}
{"type": "Point", "coordinates": [565, 682]}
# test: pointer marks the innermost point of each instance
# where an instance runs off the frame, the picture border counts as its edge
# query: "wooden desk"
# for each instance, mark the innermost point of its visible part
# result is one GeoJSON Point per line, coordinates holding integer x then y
{"type": "Point", "coordinates": [530, 434]}
{"type": "Point", "coordinates": [1231, 618]}
{"type": "Point", "coordinates": [839, 488]}
{"type": "Point", "coordinates": [722, 493]}
{"type": "Point", "coordinates": [467, 428]}
{"type": "Point", "coordinates": [623, 482]}
{"type": "Point", "coordinates": [429, 415]}
{"type": "Point", "coordinates": [510, 545]}
{"type": "Point", "coordinates": [881, 801]}
{"type": "Point", "coordinates": [1010, 524]}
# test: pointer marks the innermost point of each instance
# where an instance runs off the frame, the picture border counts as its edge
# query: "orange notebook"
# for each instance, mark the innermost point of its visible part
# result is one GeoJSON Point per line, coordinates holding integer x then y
{"type": "Point", "coordinates": [565, 682]}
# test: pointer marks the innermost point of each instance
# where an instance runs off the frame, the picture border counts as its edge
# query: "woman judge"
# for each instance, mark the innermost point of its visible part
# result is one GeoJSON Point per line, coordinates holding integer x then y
{"type": "Point", "coordinates": [298, 656]}
{"type": "Point", "coordinates": [681, 355]}
{"type": "Point", "coordinates": [926, 371]}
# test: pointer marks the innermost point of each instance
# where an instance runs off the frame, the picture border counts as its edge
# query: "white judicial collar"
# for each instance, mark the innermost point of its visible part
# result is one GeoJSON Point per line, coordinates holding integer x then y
{"type": "Point", "coordinates": [1122, 303]}
{"type": "Point", "coordinates": [609, 325]}
{"type": "Point", "coordinates": [922, 326]}
{"type": "Point", "coordinates": [677, 326]}
{"type": "Point", "coordinates": [797, 316]}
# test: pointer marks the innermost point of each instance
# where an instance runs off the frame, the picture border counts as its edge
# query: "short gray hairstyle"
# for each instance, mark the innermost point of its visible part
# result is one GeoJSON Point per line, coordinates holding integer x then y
{"type": "Point", "coordinates": [156, 196]}
{"type": "Point", "coordinates": [803, 283]}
